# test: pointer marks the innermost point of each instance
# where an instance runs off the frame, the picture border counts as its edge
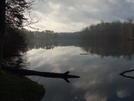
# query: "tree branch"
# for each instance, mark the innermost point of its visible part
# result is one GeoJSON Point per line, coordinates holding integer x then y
{"type": "Point", "coordinates": [24, 72]}
{"type": "Point", "coordinates": [127, 71]}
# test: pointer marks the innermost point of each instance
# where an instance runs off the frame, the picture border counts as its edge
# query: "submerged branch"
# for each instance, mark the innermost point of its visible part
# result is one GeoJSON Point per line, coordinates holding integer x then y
{"type": "Point", "coordinates": [24, 72]}
{"type": "Point", "coordinates": [127, 71]}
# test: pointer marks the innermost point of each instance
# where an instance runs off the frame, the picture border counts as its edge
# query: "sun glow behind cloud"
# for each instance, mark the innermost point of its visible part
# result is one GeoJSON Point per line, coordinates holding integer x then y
{"type": "Point", "coordinates": [73, 15]}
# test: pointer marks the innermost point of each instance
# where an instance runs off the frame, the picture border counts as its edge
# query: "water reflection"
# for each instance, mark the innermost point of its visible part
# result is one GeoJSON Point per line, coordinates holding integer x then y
{"type": "Point", "coordinates": [100, 79]}
{"type": "Point", "coordinates": [101, 48]}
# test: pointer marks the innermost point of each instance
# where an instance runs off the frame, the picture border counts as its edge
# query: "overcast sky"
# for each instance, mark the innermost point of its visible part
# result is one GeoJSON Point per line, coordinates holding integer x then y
{"type": "Point", "coordinates": [73, 15]}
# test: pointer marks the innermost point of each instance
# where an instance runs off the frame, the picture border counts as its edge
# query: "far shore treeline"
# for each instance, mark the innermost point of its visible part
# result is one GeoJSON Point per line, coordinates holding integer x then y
{"type": "Point", "coordinates": [105, 39]}
{"type": "Point", "coordinates": [106, 31]}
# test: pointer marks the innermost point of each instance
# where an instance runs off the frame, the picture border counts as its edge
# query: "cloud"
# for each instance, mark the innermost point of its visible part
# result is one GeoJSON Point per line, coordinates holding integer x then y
{"type": "Point", "coordinates": [73, 15]}
{"type": "Point", "coordinates": [123, 93]}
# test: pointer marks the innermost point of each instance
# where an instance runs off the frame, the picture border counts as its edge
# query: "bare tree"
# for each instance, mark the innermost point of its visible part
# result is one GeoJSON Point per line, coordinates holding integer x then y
{"type": "Point", "coordinates": [2, 28]}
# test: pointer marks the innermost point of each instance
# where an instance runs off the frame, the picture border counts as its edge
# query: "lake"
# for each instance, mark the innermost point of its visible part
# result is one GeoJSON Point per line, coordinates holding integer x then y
{"type": "Point", "coordinates": [99, 73]}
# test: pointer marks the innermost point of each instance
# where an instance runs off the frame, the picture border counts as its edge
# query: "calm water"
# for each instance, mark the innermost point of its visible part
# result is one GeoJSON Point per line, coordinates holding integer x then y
{"type": "Point", "coordinates": [99, 77]}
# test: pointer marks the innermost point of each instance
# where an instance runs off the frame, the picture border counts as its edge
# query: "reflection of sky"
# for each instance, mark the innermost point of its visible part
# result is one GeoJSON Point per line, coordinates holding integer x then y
{"type": "Point", "coordinates": [100, 79]}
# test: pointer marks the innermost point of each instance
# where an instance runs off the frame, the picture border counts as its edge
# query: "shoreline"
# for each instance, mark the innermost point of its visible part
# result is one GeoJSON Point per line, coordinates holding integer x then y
{"type": "Point", "coordinates": [15, 88]}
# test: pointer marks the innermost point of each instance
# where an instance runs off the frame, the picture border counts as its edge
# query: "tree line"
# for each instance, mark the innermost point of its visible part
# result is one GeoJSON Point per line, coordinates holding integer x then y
{"type": "Point", "coordinates": [109, 31]}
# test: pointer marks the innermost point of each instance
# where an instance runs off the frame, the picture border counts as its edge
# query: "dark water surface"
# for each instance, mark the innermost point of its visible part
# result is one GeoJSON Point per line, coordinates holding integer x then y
{"type": "Point", "coordinates": [99, 77]}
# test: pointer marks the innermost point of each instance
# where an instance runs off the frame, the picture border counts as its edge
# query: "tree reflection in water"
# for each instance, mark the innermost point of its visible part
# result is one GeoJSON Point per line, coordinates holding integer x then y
{"type": "Point", "coordinates": [127, 76]}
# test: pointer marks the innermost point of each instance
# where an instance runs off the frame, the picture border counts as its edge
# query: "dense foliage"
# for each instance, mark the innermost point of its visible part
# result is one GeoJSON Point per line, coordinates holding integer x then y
{"type": "Point", "coordinates": [15, 42]}
{"type": "Point", "coordinates": [15, 45]}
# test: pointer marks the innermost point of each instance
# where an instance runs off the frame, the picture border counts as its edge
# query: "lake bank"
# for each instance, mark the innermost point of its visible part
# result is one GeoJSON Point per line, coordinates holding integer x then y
{"type": "Point", "coordinates": [19, 88]}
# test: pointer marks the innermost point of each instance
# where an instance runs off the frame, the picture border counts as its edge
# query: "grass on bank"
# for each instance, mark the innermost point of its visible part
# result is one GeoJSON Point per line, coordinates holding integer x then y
{"type": "Point", "coordinates": [15, 88]}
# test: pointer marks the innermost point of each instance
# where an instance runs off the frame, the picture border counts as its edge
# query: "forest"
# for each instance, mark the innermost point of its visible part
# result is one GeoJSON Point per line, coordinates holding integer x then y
{"type": "Point", "coordinates": [107, 31]}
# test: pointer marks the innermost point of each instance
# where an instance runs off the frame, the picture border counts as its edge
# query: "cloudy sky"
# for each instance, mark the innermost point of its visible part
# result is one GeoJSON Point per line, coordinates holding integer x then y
{"type": "Point", "coordinates": [73, 15]}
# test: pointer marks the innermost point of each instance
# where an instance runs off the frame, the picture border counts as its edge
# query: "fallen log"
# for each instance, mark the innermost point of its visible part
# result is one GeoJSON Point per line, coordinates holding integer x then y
{"type": "Point", "coordinates": [24, 72]}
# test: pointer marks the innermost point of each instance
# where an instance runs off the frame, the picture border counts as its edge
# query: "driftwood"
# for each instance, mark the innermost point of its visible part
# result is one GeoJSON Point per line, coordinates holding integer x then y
{"type": "Point", "coordinates": [127, 71]}
{"type": "Point", "coordinates": [24, 72]}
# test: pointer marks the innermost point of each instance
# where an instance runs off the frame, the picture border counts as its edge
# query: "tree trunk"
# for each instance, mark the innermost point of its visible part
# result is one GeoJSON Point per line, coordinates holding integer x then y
{"type": "Point", "coordinates": [24, 72]}
{"type": "Point", "coordinates": [2, 28]}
